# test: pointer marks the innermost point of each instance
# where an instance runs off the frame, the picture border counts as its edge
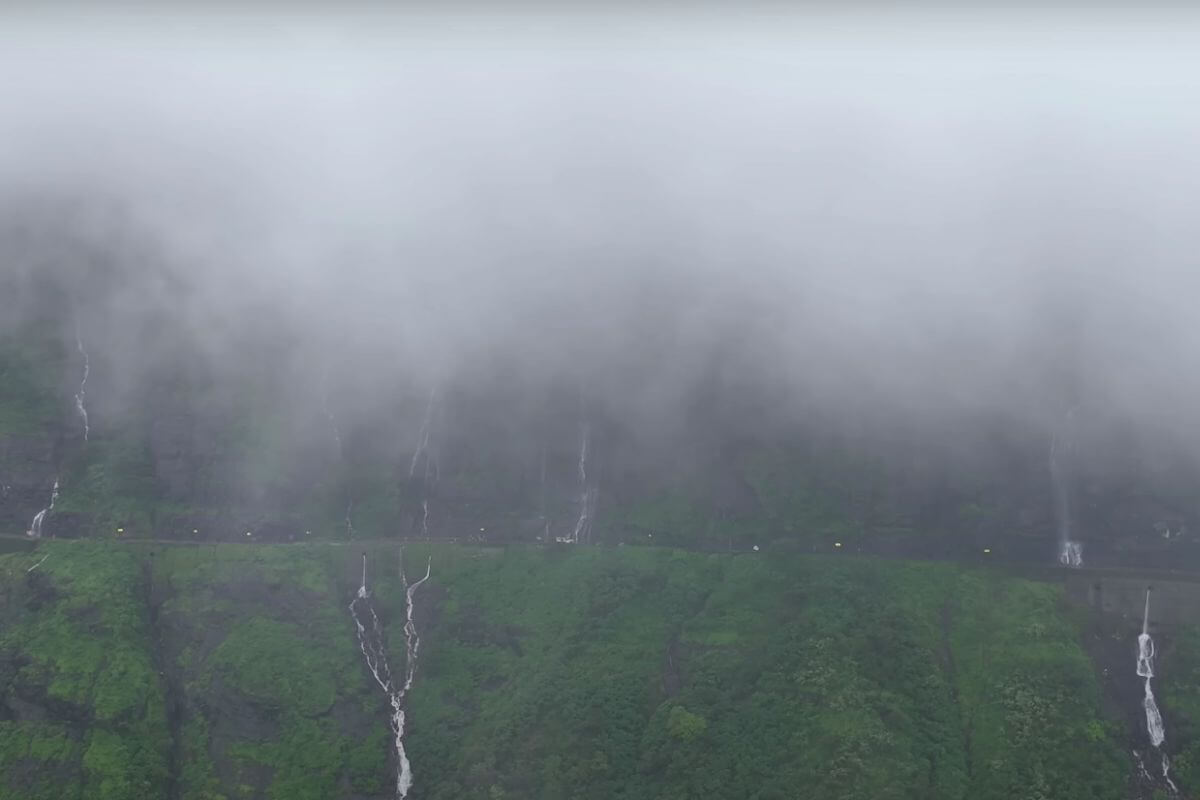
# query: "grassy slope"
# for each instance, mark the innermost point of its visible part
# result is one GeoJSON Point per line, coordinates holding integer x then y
{"type": "Point", "coordinates": [635, 673]}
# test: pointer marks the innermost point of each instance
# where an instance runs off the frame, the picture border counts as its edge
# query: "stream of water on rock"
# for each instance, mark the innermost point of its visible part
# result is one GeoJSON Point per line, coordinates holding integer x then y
{"type": "Point", "coordinates": [585, 491]}
{"type": "Point", "coordinates": [80, 408]}
{"type": "Point", "coordinates": [1154, 721]}
{"type": "Point", "coordinates": [371, 643]}
{"type": "Point", "coordinates": [430, 466]}
{"type": "Point", "coordinates": [35, 527]}
{"type": "Point", "coordinates": [1070, 552]}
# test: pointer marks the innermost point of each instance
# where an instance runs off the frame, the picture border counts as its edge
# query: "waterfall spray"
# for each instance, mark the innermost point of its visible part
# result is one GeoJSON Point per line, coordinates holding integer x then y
{"type": "Point", "coordinates": [35, 527]}
{"type": "Point", "coordinates": [588, 492]}
{"type": "Point", "coordinates": [333, 426]}
{"type": "Point", "coordinates": [1145, 669]}
{"type": "Point", "coordinates": [423, 435]}
{"type": "Point", "coordinates": [80, 408]}
{"type": "Point", "coordinates": [371, 643]}
{"type": "Point", "coordinates": [585, 493]}
{"type": "Point", "coordinates": [1070, 552]}
{"type": "Point", "coordinates": [422, 449]}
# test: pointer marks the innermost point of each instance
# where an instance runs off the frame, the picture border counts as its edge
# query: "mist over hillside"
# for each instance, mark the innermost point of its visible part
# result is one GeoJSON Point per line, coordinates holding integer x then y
{"type": "Point", "coordinates": [505, 403]}
{"type": "Point", "coordinates": [920, 243]}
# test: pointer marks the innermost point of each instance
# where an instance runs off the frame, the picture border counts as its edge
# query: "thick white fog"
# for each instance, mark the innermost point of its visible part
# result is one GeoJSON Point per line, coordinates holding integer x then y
{"type": "Point", "coordinates": [924, 213]}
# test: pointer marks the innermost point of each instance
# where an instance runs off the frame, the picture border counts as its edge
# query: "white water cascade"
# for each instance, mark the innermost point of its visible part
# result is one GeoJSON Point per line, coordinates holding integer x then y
{"type": "Point", "coordinates": [1154, 720]}
{"type": "Point", "coordinates": [423, 436]}
{"type": "Point", "coordinates": [1070, 552]}
{"type": "Point", "coordinates": [80, 408]}
{"type": "Point", "coordinates": [430, 465]}
{"type": "Point", "coordinates": [587, 493]}
{"type": "Point", "coordinates": [35, 527]}
{"type": "Point", "coordinates": [371, 643]}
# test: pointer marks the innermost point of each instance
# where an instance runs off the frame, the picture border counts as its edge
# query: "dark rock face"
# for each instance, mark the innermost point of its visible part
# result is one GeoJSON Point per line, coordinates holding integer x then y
{"type": "Point", "coordinates": [197, 440]}
{"type": "Point", "coordinates": [502, 463]}
{"type": "Point", "coordinates": [27, 474]}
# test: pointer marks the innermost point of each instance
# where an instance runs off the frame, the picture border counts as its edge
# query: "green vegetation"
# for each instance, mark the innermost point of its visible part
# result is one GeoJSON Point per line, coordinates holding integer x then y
{"type": "Point", "coordinates": [790, 497]}
{"type": "Point", "coordinates": [278, 703]}
{"type": "Point", "coordinates": [76, 647]}
{"type": "Point", "coordinates": [1180, 696]}
{"type": "Point", "coordinates": [112, 480]}
{"type": "Point", "coordinates": [630, 673]}
{"type": "Point", "coordinates": [29, 373]}
{"type": "Point", "coordinates": [656, 674]}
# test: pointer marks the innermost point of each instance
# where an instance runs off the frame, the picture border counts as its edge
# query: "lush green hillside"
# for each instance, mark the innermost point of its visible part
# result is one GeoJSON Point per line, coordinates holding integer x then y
{"type": "Point", "coordinates": [227, 671]}
{"type": "Point", "coordinates": [84, 707]}
{"type": "Point", "coordinates": [658, 674]}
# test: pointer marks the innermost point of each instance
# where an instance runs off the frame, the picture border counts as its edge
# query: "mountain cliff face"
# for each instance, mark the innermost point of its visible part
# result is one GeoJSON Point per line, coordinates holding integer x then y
{"type": "Point", "coordinates": [232, 672]}
{"type": "Point", "coordinates": [789, 404]}
{"type": "Point", "coordinates": [184, 445]}
{"type": "Point", "coordinates": [174, 394]}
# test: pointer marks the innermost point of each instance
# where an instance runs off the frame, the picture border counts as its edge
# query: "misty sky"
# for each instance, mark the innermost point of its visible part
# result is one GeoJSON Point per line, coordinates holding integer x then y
{"type": "Point", "coordinates": [981, 212]}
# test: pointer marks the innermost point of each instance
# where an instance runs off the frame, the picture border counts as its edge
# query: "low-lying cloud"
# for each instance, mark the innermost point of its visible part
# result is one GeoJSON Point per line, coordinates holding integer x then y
{"type": "Point", "coordinates": [894, 218]}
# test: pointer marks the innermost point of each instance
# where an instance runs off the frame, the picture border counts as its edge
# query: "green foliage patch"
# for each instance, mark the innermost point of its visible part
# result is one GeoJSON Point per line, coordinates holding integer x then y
{"type": "Point", "coordinates": [616, 673]}
{"type": "Point", "coordinates": [29, 372]}
{"type": "Point", "coordinates": [644, 673]}
{"type": "Point", "coordinates": [262, 634]}
{"type": "Point", "coordinates": [77, 627]}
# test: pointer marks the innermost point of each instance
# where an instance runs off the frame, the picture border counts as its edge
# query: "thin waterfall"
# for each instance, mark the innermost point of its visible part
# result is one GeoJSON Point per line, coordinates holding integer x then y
{"type": "Point", "coordinates": [588, 491]}
{"type": "Point", "coordinates": [423, 435]}
{"type": "Point", "coordinates": [1070, 552]}
{"type": "Point", "coordinates": [35, 527]}
{"type": "Point", "coordinates": [1145, 669]}
{"type": "Point", "coordinates": [430, 473]}
{"type": "Point", "coordinates": [80, 407]}
{"type": "Point", "coordinates": [373, 647]}
{"type": "Point", "coordinates": [333, 425]}
{"type": "Point", "coordinates": [582, 523]}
